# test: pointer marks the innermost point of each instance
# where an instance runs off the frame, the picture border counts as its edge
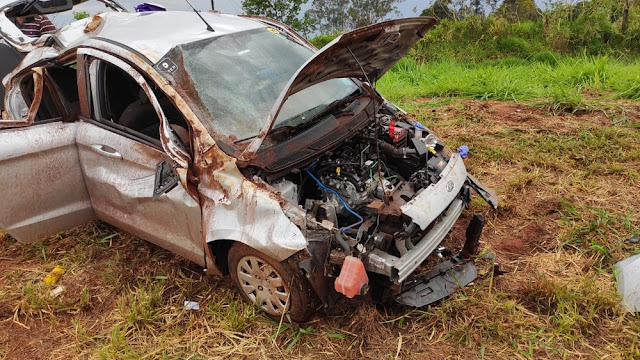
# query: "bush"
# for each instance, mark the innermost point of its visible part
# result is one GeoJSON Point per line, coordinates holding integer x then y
{"type": "Point", "coordinates": [514, 46]}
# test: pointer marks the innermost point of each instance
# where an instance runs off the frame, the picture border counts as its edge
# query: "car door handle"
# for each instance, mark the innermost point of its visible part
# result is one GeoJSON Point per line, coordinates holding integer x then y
{"type": "Point", "coordinates": [107, 151]}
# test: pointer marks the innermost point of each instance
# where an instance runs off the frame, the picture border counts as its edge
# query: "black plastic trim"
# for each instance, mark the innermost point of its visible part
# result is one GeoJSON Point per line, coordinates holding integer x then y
{"type": "Point", "coordinates": [124, 131]}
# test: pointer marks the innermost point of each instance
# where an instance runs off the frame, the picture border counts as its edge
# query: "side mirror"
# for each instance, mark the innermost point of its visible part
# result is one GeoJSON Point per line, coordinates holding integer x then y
{"type": "Point", "coordinates": [166, 179]}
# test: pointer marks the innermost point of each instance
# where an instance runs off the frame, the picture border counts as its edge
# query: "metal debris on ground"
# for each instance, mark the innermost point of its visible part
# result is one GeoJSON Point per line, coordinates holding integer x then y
{"type": "Point", "coordinates": [191, 305]}
{"type": "Point", "coordinates": [57, 291]}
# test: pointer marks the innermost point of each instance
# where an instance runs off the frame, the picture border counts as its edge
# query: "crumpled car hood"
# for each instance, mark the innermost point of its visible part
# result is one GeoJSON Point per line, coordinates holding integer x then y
{"type": "Point", "coordinates": [376, 47]}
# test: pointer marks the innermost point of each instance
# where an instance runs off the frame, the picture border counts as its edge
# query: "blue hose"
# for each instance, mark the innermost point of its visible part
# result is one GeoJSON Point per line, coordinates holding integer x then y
{"type": "Point", "coordinates": [339, 198]}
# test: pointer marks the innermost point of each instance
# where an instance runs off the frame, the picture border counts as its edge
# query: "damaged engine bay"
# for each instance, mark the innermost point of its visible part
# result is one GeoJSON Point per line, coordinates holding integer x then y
{"type": "Point", "coordinates": [357, 195]}
{"type": "Point", "coordinates": [343, 188]}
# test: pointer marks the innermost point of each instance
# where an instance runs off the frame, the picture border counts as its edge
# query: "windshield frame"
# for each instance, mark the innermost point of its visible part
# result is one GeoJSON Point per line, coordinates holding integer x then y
{"type": "Point", "coordinates": [183, 81]}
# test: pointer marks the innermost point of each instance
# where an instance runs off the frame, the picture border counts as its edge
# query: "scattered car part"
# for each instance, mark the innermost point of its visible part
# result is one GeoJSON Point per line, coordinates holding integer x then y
{"type": "Point", "coordinates": [56, 291]}
{"type": "Point", "coordinates": [627, 273]}
{"type": "Point", "coordinates": [191, 305]}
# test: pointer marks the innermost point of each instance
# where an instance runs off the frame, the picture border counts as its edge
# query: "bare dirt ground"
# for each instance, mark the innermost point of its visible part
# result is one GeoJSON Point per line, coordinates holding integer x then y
{"type": "Point", "coordinates": [568, 186]}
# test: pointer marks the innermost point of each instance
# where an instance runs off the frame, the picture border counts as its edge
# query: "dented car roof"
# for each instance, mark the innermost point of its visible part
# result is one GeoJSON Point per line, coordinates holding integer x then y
{"type": "Point", "coordinates": [145, 33]}
{"type": "Point", "coordinates": [149, 33]}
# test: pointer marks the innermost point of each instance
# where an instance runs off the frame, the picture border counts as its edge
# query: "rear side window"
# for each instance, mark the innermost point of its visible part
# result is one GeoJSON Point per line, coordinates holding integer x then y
{"type": "Point", "coordinates": [21, 96]}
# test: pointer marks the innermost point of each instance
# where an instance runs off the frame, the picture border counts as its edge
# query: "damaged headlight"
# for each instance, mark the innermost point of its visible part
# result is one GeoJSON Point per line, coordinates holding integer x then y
{"type": "Point", "coordinates": [431, 141]}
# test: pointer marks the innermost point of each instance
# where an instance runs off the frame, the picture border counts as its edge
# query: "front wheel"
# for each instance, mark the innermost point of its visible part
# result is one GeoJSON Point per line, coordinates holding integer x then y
{"type": "Point", "coordinates": [268, 284]}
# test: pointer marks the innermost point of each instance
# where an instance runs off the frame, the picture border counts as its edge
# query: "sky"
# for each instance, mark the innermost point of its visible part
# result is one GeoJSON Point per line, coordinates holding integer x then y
{"type": "Point", "coordinates": [407, 8]}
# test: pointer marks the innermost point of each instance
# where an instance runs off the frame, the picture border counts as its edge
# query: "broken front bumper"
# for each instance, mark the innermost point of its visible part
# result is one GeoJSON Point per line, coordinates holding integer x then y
{"type": "Point", "coordinates": [441, 282]}
{"type": "Point", "coordinates": [399, 268]}
{"type": "Point", "coordinates": [439, 201]}
{"type": "Point", "coordinates": [445, 278]}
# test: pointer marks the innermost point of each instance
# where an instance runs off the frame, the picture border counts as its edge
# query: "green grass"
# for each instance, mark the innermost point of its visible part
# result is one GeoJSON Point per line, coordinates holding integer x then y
{"type": "Point", "coordinates": [570, 84]}
{"type": "Point", "coordinates": [139, 306]}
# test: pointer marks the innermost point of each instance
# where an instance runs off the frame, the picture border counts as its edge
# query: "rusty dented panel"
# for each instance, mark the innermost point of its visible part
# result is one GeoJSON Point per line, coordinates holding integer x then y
{"type": "Point", "coordinates": [201, 138]}
{"type": "Point", "coordinates": [121, 190]}
{"type": "Point", "coordinates": [233, 208]}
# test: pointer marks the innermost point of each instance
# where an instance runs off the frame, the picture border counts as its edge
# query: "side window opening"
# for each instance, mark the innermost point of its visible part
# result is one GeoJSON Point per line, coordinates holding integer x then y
{"type": "Point", "coordinates": [120, 91]}
{"type": "Point", "coordinates": [64, 79]}
{"type": "Point", "coordinates": [48, 109]}
{"type": "Point", "coordinates": [126, 104]}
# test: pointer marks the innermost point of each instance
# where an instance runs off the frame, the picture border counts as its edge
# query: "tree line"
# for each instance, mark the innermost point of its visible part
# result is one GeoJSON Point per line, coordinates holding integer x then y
{"type": "Point", "coordinates": [331, 16]}
{"type": "Point", "coordinates": [326, 16]}
{"type": "Point", "coordinates": [478, 29]}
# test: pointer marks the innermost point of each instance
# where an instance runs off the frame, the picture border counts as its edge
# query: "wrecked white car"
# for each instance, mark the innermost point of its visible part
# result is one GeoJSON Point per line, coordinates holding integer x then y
{"type": "Point", "coordinates": [234, 143]}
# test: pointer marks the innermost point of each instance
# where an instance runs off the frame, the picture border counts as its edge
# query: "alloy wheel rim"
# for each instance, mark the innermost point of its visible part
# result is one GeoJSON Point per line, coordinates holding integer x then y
{"type": "Point", "coordinates": [263, 284]}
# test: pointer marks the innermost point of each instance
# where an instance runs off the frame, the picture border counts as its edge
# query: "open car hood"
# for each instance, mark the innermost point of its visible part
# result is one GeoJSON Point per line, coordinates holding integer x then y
{"type": "Point", "coordinates": [376, 47]}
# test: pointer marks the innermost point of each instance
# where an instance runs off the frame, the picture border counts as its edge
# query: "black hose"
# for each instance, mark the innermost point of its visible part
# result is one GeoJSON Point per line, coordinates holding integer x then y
{"type": "Point", "coordinates": [342, 242]}
{"type": "Point", "coordinates": [390, 149]}
{"type": "Point", "coordinates": [394, 151]}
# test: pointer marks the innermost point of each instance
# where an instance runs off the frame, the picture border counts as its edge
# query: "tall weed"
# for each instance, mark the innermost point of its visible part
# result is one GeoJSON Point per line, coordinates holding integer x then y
{"type": "Point", "coordinates": [566, 82]}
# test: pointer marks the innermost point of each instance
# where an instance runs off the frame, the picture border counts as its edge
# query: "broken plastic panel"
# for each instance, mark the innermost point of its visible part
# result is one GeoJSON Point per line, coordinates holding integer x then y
{"type": "Point", "coordinates": [627, 273]}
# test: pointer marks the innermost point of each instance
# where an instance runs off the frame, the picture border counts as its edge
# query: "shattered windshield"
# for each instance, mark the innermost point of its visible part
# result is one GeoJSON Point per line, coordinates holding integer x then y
{"type": "Point", "coordinates": [234, 80]}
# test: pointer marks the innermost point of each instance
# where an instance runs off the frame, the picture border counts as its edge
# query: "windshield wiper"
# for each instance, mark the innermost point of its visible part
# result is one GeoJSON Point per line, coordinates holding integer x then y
{"type": "Point", "coordinates": [290, 120]}
{"type": "Point", "coordinates": [328, 108]}
{"type": "Point", "coordinates": [313, 119]}
{"type": "Point", "coordinates": [302, 115]}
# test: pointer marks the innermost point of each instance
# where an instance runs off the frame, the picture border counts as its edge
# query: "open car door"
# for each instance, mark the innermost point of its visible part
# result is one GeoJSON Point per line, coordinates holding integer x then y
{"type": "Point", "coordinates": [43, 190]}
{"type": "Point", "coordinates": [130, 157]}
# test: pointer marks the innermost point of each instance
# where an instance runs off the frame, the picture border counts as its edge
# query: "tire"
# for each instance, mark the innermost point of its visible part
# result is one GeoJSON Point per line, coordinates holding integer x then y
{"type": "Point", "coordinates": [269, 285]}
